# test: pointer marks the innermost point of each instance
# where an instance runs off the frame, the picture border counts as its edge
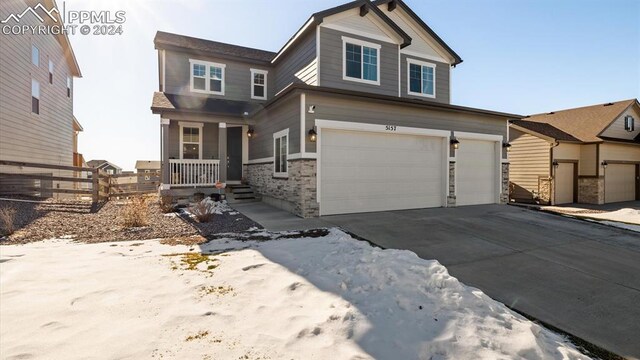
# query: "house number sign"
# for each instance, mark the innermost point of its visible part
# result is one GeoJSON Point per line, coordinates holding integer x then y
{"type": "Point", "coordinates": [390, 128]}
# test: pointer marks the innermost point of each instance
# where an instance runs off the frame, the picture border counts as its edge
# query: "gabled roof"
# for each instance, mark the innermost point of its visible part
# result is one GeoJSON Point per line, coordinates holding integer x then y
{"type": "Point", "coordinates": [76, 125]}
{"type": "Point", "coordinates": [165, 40]}
{"type": "Point", "coordinates": [99, 164]}
{"type": "Point", "coordinates": [584, 123]}
{"type": "Point", "coordinates": [198, 104]}
{"type": "Point", "coordinates": [318, 17]}
{"type": "Point", "coordinates": [544, 130]}
{"type": "Point", "coordinates": [394, 3]}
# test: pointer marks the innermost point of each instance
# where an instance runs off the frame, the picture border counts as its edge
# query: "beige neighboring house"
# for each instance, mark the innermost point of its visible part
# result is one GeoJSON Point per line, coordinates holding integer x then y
{"type": "Point", "coordinates": [151, 171]}
{"type": "Point", "coordinates": [36, 98]}
{"type": "Point", "coordinates": [585, 155]}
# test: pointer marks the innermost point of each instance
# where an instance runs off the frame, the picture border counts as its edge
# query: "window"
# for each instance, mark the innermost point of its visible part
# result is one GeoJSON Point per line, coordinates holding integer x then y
{"type": "Point", "coordinates": [629, 123]}
{"type": "Point", "coordinates": [259, 84]}
{"type": "Point", "coordinates": [421, 78]}
{"type": "Point", "coordinates": [280, 152]}
{"type": "Point", "coordinates": [35, 97]}
{"type": "Point", "coordinates": [35, 55]}
{"type": "Point", "coordinates": [207, 77]}
{"type": "Point", "coordinates": [68, 86]}
{"type": "Point", "coordinates": [361, 61]}
{"type": "Point", "coordinates": [50, 72]}
{"type": "Point", "coordinates": [191, 140]}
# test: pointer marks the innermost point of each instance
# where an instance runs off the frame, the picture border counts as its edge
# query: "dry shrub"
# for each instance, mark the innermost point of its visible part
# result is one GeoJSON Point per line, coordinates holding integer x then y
{"type": "Point", "coordinates": [135, 213]}
{"type": "Point", "coordinates": [166, 204]}
{"type": "Point", "coordinates": [7, 220]}
{"type": "Point", "coordinates": [203, 211]}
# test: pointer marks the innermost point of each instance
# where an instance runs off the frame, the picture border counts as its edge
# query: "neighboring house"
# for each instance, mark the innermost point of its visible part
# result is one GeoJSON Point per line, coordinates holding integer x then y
{"type": "Point", "coordinates": [352, 114]}
{"type": "Point", "coordinates": [37, 124]}
{"type": "Point", "coordinates": [106, 166]}
{"type": "Point", "coordinates": [586, 155]}
{"type": "Point", "coordinates": [148, 174]}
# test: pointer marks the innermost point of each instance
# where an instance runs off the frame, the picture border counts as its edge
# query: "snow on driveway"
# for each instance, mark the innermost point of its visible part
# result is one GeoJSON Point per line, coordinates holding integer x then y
{"type": "Point", "coordinates": [624, 218]}
{"type": "Point", "coordinates": [314, 298]}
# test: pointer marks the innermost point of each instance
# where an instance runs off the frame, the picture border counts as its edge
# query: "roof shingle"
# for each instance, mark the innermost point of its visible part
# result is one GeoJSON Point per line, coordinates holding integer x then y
{"type": "Point", "coordinates": [545, 129]}
{"type": "Point", "coordinates": [200, 104]}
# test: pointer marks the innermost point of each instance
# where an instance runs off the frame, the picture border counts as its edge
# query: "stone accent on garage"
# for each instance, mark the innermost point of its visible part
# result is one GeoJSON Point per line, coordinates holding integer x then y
{"type": "Point", "coordinates": [296, 193]}
{"type": "Point", "coordinates": [451, 197]}
{"type": "Point", "coordinates": [504, 194]}
{"type": "Point", "coordinates": [591, 190]}
{"type": "Point", "coordinates": [546, 193]}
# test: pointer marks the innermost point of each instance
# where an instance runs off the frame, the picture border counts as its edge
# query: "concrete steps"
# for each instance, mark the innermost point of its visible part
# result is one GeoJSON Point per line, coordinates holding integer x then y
{"type": "Point", "coordinates": [241, 194]}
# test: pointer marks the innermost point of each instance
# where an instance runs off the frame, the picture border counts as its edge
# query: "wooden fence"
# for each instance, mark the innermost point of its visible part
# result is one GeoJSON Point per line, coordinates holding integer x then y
{"type": "Point", "coordinates": [86, 181]}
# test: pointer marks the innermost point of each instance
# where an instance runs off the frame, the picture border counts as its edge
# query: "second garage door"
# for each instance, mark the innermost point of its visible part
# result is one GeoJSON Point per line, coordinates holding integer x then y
{"type": "Point", "coordinates": [620, 183]}
{"type": "Point", "coordinates": [368, 171]}
{"type": "Point", "coordinates": [476, 172]}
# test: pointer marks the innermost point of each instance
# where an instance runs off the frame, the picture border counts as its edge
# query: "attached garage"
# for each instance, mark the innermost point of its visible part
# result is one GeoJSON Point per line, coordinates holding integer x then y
{"type": "Point", "coordinates": [565, 183]}
{"type": "Point", "coordinates": [366, 168]}
{"type": "Point", "coordinates": [620, 183]}
{"type": "Point", "coordinates": [477, 174]}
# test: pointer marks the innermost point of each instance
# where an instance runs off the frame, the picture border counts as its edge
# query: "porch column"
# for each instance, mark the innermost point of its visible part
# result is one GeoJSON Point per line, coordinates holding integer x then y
{"type": "Point", "coordinates": [222, 150]}
{"type": "Point", "coordinates": [164, 153]}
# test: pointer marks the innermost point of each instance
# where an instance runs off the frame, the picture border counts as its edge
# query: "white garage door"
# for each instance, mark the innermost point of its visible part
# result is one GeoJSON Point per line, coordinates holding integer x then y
{"type": "Point", "coordinates": [564, 183]}
{"type": "Point", "coordinates": [476, 172]}
{"type": "Point", "coordinates": [620, 183]}
{"type": "Point", "coordinates": [369, 171]}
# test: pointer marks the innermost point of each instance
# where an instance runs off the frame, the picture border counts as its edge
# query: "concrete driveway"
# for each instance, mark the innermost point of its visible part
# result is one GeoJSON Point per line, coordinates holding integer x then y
{"type": "Point", "coordinates": [580, 277]}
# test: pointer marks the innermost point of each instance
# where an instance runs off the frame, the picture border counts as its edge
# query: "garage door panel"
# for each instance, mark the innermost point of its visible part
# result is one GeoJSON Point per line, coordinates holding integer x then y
{"type": "Point", "coordinates": [366, 171]}
{"type": "Point", "coordinates": [620, 183]}
{"type": "Point", "coordinates": [476, 172]}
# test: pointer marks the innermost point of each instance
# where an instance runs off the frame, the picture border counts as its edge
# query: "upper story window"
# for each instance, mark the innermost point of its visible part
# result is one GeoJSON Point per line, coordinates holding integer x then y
{"type": "Point", "coordinates": [259, 84]}
{"type": "Point", "coordinates": [629, 123]}
{"type": "Point", "coordinates": [50, 71]}
{"type": "Point", "coordinates": [191, 140]}
{"type": "Point", "coordinates": [68, 86]}
{"type": "Point", "coordinates": [35, 55]}
{"type": "Point", "coordinates": [280, 153]}
{"type": "Point", "coordinates": [361, 61]}
{"type": "Point", "coordinates": [421, 78]}
{"type": "Point", "coordinates": [207, 77]}
{"type": "Point", "coordinates": [35, 97]}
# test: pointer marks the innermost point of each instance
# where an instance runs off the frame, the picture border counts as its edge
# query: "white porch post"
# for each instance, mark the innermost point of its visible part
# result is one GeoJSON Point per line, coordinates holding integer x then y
{"type": "Point", "coordinates": [164, 131]}
{"type": "Point", "coordinates": [222, 151]}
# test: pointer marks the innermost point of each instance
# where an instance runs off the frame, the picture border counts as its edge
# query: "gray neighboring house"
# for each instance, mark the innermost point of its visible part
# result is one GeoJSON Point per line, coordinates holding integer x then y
{"type": "Point", "coordinates": [352, 114]}
{"type": "Point", "coordinates": [106, 166]}
{"type": "Point", "coordinates": [148, 174]}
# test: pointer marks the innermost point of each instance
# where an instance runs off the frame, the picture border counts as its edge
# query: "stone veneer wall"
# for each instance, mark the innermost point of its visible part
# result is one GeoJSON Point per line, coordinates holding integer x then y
{"type": "Point", "coordinates": [545, 189]}
{"type": "Point", "coordinates": [451, 198]}
{"type": "Point", "coordinates": [591, 190]}
{"type": "Point", "coordinates": [296, 194]}
{"type": "Point", "coordinates": [504, 194]}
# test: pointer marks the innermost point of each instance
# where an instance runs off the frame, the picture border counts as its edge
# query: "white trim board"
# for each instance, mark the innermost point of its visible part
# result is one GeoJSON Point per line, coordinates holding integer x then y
{"type": "Point", "coordinates": [477, 136]}
{"type": "Point", "coordinates": [253, 74]}
{"type": "Point", "coordinates": [200, 126]}
{"type": "Point", "coordinates": [361, 43]}
{"type": "Point", "coordinates": [261, 160]}
{"type": "Point", "coordinates": [368, 35]}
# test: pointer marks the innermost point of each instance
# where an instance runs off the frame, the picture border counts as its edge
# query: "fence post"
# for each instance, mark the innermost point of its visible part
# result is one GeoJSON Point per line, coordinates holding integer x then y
{"type": "Point", "coordinates": [96, 186]}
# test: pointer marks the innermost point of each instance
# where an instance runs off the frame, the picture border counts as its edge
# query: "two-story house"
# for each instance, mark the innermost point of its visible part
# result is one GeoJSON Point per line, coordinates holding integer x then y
{"type": "Point", "coordinates": [37, 124]}
{"type": "Point", "coordinates": [352, 114]}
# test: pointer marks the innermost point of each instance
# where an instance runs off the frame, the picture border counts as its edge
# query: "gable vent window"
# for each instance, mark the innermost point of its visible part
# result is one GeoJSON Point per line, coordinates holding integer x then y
{"type": "Point", "coordinates": [207, 77]}
{"type": "Point", "coordinates": [50, 72]}
{"type": "Point", "coordinates": [361, 61]}
{"type": "Point", "coordinates": [421, 78]}
{"type": "Point", "coordinates": [68, 86]}
{"type": "Point", "coordinates": [35, 97]}
{"type": "Point", "coordinates": [629, 123]}
{"type": "Point", "coordinates": [259, 84]}
{"type": "Point", "coordinates": [35, 55]}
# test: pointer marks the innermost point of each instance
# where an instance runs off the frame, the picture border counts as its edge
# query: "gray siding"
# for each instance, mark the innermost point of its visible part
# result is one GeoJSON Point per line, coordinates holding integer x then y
{"type": "Point", "coordinates": [299, 65]}
{"type": "Point", "coordinates": [355, 110]}
{"type": "Point", "coordinates": [283, 115]}
{"type": "Point", "coordinates": [209, 140]}
{"type": "Point", "coordinates": [442, 79]}
{"type": "Point", "coordinates": [237, 76]}
{"type": "Point", "coordinates": [24, 136]}
{"type": "Point", "coordinates": [332, 59]}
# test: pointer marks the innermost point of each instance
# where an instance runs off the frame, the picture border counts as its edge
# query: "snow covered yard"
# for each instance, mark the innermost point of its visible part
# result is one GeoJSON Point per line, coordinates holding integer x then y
{"type": "Point", "coordinates": [330, 297]}
{"type": "Point", "coordinates": [624, 218]}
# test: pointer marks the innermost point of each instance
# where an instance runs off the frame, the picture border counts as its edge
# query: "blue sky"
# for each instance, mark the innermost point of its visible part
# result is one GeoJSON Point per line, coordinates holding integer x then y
{"type": "Point", "coordinates": [523, 56]}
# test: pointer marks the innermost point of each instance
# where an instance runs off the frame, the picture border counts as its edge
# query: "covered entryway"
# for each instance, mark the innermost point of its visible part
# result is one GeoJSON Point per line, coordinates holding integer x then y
{"type": "Point", "coordinates": [565, 183]}
{"type": "Point", "coordinates": [619, 183]}
{"type": "Point", "coordinates": [365, 171]}
{"type": "Point", "coordinates": [477, 170]}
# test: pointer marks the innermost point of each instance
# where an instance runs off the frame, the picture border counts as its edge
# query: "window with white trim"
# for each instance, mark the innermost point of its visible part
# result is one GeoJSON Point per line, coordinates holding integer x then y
{"type": "Point", "coordinates": [259, 84]}
{"type": "Point", "coordinates": [35, 97]}
{"type": "Point", "coordinates": [35, 55]}
{"type": "Point", "coordinates": [207, 77]}
{"type": "Point", "coordinates": [361, 61]}
{"type": "Point", "coordinates": [280, 153]}
{"type": "Point", "coordinates": [50, 71]}
{"type": "Point", "coordinates": [421, 78]}
{"type": "Point", "coordinates": [629, 123]}
{"type": "Point", "coordinates": [68, 86]}
{"type": "Point", "coordinates": [191, 142]}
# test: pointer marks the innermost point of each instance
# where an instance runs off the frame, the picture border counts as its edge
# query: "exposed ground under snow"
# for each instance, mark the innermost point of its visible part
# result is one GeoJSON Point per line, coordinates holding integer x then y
{"type": "Point", "coordinates": [317, 298]}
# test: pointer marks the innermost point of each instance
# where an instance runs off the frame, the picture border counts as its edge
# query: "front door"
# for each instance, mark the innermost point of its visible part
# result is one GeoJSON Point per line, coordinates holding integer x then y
{"type": "Point", "coordinates": [234, 153]}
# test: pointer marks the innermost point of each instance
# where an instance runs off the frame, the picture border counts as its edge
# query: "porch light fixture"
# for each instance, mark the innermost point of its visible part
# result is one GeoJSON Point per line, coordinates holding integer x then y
{"type": "Point", "coordinates": [313, 136]}
{"type": "Point", "coordinates": [312, 109]}
{"type": "Point", "coordinates": [250, 133]}
{"type": "Point", "coordinates": [456, 143]}
{"type": "Point", "coordinates": [555, 163]}
{"type": "Point", "coordinates": [506, 146]}
{"type": "Point", "coordinates": [604, 164]}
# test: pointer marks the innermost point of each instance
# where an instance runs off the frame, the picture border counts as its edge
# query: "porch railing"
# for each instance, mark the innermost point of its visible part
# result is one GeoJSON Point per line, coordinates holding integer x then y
{"type": "Point", "coordinates": [189, 172]}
